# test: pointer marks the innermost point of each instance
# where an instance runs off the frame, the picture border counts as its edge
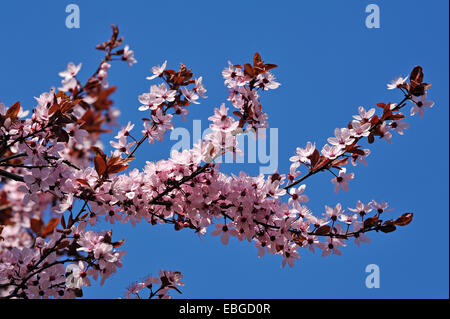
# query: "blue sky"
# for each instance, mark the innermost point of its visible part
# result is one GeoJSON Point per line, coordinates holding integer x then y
{"type": "Point", "coordinates": [329, 64]}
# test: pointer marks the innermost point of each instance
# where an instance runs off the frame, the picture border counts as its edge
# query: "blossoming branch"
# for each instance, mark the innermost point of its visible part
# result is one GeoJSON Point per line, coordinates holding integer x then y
{"type": "Point", "coordinates": [58, 182]}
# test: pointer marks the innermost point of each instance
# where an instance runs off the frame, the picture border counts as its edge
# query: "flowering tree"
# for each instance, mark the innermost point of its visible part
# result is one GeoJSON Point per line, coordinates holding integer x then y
{"type": "Point", "coordinates": [57, 182]}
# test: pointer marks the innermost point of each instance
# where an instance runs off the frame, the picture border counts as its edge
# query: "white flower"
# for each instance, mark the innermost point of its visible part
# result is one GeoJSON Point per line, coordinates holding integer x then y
{"type": "Point", "coordinates": [395, 83]}
{"type": "Point", "coordinates": [77, 277]}
{"type": "Point", "coordinates": [157, 71]}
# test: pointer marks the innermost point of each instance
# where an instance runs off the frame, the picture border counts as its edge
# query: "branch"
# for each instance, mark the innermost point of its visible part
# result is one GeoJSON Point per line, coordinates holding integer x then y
{"type": "Point", "coordinates": [327, 166]}
{"type": "Point", "coordinates": [11, 176]}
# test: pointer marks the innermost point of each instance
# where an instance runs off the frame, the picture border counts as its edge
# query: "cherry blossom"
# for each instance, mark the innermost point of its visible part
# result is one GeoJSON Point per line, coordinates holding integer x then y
{"type": "Point", "coordinates": [399, 126]}
{"type": "Point", "coordinates": [190, 95]}
{"type": "Point", "coordinates": [77, 277]}
{"type": "Point", "coordinates": [59, 182]}
{"type": "Point", "coordinates": [128, 55]}
{"type": "Point", "coordinates": [157, 71]}
{"type": "Point", "coordinates": [297, 197]}
{"type": "Point", "coordinates": [122, 145]}
{"type": "Point", "coordinates": [331, 246]}
{"type": "Point", "coordinates": [303, 154]}
{"type": "Point", "coordinates": [385, 134]}
{"type": "Point", "coordinates": [380, 207]}
{"type": "Point", "coordinates": [397, 83]}
{"type": "Point", "coordinates": [364, 116]}
{"type": "Point", "coordinates": [342, 137]}
{"type": "Point", "coordinates": [359, 130]}
{"type": "Point", "coordinates": [199, 88]}
{"type": "Point", "coordinates": [331, 152]}
{"type": "Point", "coordinates": [224, 230]}
{"type": "Point", "coordinates": [266, 81]}
{"type": "Point", "coordinates": [333, 213]}
{"type": "Point", "coordinates": [420, 104]}
{"type": "Point", "coordinates": [360, 237]}
{"type": "Point", "coordinates": [362, 209]}
{"type": "Point", "coordinates": [71, 71]}
{"type": "Point", "coordinates": [341, 181]}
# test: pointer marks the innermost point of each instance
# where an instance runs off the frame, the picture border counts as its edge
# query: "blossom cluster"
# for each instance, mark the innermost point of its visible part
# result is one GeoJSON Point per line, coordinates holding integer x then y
{"type": "Point", "coordinates": [39, 272]}
{"type": "Point", "coordinates": [174, 95]}
{"type": "Point", "coordinates": [243, 82]}
{"type": "Point", "coordinates": [166, 280]}
{"type": "Point", "coordinates": [58, 181]}
{"type": "Point", "coordinates": [345, 146]}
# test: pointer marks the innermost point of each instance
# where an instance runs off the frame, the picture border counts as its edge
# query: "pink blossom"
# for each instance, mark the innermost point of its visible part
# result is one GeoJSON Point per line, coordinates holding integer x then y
{"type": "Point", "coordinates": [71, 71]}
{"type": "Point", "coordinates": [342, 139]}
{"type": "Point", "coordinates": [225, 230]}
{"type": "Point", "coordinates": [384, 133]}
{"type": "Point", "coordinates": [359, 130]}
{"type": "Point", "coordinates": [362, 209]}
{"type": "Point", "coordinates": [331, 246]}
{"type": "Point", "coordinates": [332, 152]}
{"type": "Point", "coordinates": [122, 146]}
{"type": "Point", "coordinates": [297, 197]}
{"type": "Point", "coordinates": [157, 71]}
{"type": "Point", "coordinates": [190, 95]}
{"type": "Point", "coordinates": [420, 104]}
{"type": "Point", "coordinates": [399, 126]}
{"type": "Point", "coordinates": [77, 277]}
{"type": "Point", "coordinates": [266, 81]}
{"type": "Point", "coordinates": [397, 82]}
{"type": "Point", "coordinates": [304, 153]}
{"type": "Point", "coordinates": [128, 55]}
{"type": "Point", "coordinates": [199, 88]}
{"type": "Point", "coordinates": [333, 213]}
{"type": "Point", "coordinates": [364, 115]}
{"type": "Point", "coordinates": [341, 180]}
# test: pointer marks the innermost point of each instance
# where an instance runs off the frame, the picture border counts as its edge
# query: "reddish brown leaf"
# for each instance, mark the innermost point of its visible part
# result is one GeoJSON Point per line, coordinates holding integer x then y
{"type": "Point", "coordinates": [100, 165]}
{"type": "Point", "coordinates": [98, 152]}
{"type": "Point", "coordinates": [340, 162]}
{"type": "Point", "coordinates": [118, 243]}
{"type": "Point", "coordinates": [404, 220]}
{"type": "Point", "coordinates": [50, 227]}
{"type": "Point", "coordinates": [248, 70]}
{"type": "Point", "coordinates": [36, 225]}
{"type": "Point", "coordinates": [63, 222]}
{"type": "Point", "coordinates": [237, 113]}
{"type": "Point", "coordinates": [63, 244]}
{"type": "Point", "coordinates": [370, 222]}
{"type": "Point", "coordinates": [323, 230]}
{"type": "Point", "coordinates": [117, 168]}
{"type": "Point", "coordinates": [321, 162]}
{"type": "Point", "coordinates": [256, 58]}
{"type": "Point", "coordinates": [53, 108]}
{"type": "Point", "coordinates": [62, 135]}
{"type": "Point", "coordinates": [388, 226]}
{"type": "Point", "coordinates": [83, 181]}
{"type": "Point", "coordinates": [395, 117]}
{"type": "Point", "coordinates": [13, 111]}
{"type": "Point", "coordinates": [62, 95]}
{"type": "Point", "coordinates": [298, 239]}
{"type": "Point", "coordinates": [107, 237]}
{"type": "Point", "coordinates": [357, 151]}
{"type": "Point", "coordinates": [268, 67]}
{"type": "Point", "coordinates": [416, 76]}
{"type": "Point", "coordinates": [314, 158]}
{"type": "Point", "coordinates": [374, 120]}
